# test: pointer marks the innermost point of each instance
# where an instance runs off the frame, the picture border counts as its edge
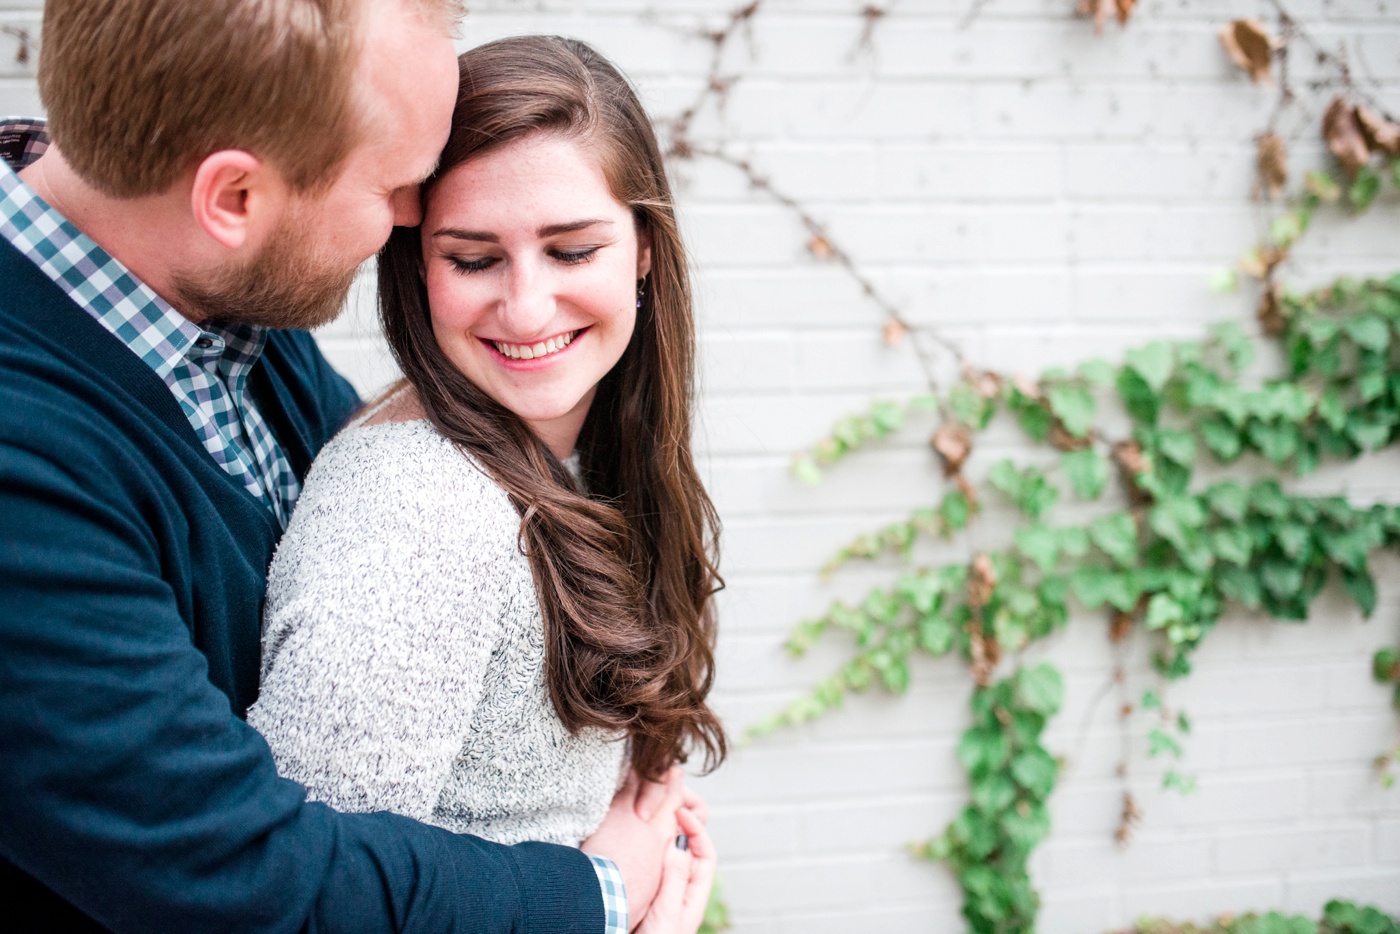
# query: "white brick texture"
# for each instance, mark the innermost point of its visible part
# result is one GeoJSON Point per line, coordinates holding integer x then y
{"type": "Point", "coordinates": [1041, 194]}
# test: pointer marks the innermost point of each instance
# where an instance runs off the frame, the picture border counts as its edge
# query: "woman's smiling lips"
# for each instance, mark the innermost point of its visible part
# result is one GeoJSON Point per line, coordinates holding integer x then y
{"type": "Point", "coordinates": [531, 356]}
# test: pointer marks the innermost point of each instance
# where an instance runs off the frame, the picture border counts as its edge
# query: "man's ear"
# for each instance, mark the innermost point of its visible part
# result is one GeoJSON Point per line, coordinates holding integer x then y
{"type": "Point", "coordinates": [235, 196]}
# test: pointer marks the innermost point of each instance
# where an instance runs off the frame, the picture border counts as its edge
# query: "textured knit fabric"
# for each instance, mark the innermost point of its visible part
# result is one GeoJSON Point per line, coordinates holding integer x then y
{"type": "Point", "coordinates": [132, 569]}
{"type": "Point", "coordinates": [403, 651]}
{"type": "Point", "coordinates": [205, 368]}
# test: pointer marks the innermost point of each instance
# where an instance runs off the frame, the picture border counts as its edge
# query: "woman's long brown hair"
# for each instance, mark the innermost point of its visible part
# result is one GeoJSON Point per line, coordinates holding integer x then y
{"type": "Point", "coordinates": [625, 572]}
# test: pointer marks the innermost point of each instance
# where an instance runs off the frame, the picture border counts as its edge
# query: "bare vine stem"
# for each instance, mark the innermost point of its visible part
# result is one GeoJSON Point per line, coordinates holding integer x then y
{"type": "Point", "coordinates": [926, 342]}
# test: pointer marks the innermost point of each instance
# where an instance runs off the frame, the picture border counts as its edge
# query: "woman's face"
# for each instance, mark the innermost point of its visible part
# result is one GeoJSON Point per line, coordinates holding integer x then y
{"type": "Point", "coordinates": [532, 269]}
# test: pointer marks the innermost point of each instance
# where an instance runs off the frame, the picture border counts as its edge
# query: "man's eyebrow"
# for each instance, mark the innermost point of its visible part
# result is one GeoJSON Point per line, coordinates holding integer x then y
{"type": "Point", "coordinates": [550, 230]}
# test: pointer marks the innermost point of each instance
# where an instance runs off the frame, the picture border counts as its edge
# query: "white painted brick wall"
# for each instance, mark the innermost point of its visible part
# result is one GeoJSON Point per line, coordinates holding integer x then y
{"type": "Point", "coordinates": [1041, 195]}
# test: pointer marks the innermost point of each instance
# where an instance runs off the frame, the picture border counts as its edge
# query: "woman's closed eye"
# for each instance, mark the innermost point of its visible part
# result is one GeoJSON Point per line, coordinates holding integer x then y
{"type": "Point", "coordinates": [574, 257]}
{"type": "Point", "coordinates": [483, 263]}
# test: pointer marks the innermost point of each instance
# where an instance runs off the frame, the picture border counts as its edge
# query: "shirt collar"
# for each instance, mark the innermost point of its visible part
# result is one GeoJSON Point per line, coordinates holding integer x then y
{"type": "Point", "coordinates": [156, 332]}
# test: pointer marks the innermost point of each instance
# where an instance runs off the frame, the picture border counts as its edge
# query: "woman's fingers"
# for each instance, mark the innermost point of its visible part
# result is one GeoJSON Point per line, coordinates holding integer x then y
{"type": "Point", "coordinates": [696, 804]}
{"type": "Point", "coordinates": [704, 860]}
{"type": "Point", "coordinates": [665, 916]}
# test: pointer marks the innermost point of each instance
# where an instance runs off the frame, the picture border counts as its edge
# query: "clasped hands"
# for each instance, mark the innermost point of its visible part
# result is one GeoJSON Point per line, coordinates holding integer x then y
{"type": "Point", "coordinates": [668, 887]}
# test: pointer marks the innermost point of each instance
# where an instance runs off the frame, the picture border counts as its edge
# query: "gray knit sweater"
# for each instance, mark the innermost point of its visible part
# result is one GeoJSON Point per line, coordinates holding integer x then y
{"type": "Point", "coordinates": [403, 650]}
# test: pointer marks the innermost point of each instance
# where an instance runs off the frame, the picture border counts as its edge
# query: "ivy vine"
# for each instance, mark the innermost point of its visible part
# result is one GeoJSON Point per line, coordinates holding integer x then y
{"type": "Point", "coordinates": [1173, 554]}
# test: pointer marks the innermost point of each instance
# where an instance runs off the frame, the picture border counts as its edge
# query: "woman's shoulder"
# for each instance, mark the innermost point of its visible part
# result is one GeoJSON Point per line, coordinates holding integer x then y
{"type": "Point", "coordinates": [402, 480]}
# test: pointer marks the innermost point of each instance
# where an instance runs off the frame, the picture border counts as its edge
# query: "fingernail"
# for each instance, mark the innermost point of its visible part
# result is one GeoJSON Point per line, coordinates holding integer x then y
{"type": "Point", "coordinates": [682, 842]}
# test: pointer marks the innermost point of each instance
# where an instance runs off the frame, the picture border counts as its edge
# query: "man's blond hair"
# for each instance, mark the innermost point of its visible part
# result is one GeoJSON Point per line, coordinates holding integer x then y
{"type": "Point", "coordinates": [139, 91]}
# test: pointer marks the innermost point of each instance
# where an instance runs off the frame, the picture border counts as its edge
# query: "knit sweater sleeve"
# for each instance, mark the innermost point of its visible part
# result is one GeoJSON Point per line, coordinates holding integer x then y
{"type": "Point", "coordinates": [386, 600]}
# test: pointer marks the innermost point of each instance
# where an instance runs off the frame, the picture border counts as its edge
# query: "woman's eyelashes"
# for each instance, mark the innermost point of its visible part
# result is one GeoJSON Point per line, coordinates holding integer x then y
{"type": "Point", "coordinates": [481, 264]}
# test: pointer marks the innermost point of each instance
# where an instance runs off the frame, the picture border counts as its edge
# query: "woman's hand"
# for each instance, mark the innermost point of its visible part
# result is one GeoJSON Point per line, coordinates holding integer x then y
{"type": "Point", "coordinates": [686, 880]}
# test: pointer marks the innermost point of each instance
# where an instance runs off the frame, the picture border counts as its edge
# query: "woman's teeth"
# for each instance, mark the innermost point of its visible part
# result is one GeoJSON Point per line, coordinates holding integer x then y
{"type": "Point", "coordinates": [532, 351]}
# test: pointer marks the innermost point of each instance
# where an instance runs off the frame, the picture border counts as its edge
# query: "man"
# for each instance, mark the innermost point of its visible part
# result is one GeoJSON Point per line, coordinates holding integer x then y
{"type": "Point", "coordinates": [212, 173]}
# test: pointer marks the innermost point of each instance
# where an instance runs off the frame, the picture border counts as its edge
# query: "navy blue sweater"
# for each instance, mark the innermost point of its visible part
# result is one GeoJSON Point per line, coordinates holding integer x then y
{"type": "Point", "coordinates": [132, 794]}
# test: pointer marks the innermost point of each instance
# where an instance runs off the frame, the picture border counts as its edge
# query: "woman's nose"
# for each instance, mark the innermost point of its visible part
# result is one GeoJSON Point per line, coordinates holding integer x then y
{"type": "Point", "coordinates": [529, 306]}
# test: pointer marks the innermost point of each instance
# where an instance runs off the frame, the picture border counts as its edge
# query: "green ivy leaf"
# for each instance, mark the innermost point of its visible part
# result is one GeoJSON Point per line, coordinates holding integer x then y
{"type": "Point", "coordinates": [1098, 372]}
{"type": "Point", "coordinates": [1177, 520]}
{"type": "Point", "coordinates": [993, 793]}
{"type": "Point", "coordinates": [1277, 441]}
{"type": "Point", "coordinates": [1362, 588]}
{"type": "Point", "coordinates": [1222, 438]}
{"type": "Point", "coordinates": [1232, 543]}
{"type": "Point", "coordinates": [1073, 406]}
{"type": "Point", "coordinates": [1368, 331]}
{"type": "Point", "coordinates": [1153, 363]}
{"type": "Point", "coordinates": [982, 750]}
{"type": "Point", "coordinates": [1117, 537]}
{"type": "Point", "coordinates": [1026, 831]}
{"type": "Point", "coordinates": [1041, 689]}
{"type": "Point", "coordinates": [1228, 500]}
{"type": "Point", "coordinates": [1241, 585]}
{"type": "Point", "coordinates": [1088, 472]}
{"type": "Point", "coordinates": [936, 634]}
{"type": "Point", "coordinates": [1142, 403]}
{"type": "Point", "coordinates": [1281, 578]}
{"type": "Point", "coordinates": [1385, 666]}
{"type": "Point", "coordinates": [1041, 544]}
{"type": "Point", "coordinates": [1159, 742]}
{"type": "Point", "coordinates": [1364, 188]}
{"type": "Point", "coordinates": [1162, 611]}
{"type": "Point", "coordinates": [955, 511]}
{"type": "Point", "coordinates": [1035, 770]}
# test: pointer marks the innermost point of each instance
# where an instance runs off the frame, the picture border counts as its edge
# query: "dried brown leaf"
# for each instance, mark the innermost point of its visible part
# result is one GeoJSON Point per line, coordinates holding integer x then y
{"type": "Point", "coordinates": [894, 332]}
{"type": "Point", "coordinates": [821, 248]}
{"type": "Point", "coordinates": [1260, 262]}
{"type": "Point", "coordinates": [1250, 47]}
{"type": "Point", "coordinates": [1026, 386]}
{"type": "Point", "coordinates": [1100, 10]}
{"type": "Point", "coordinates": [1121, 625]}
{"type": "Point", "coordinates": [1343, 134]}
{"type": "Point", "coordinates": [1131, 461]}
{"type": "Point", "coordinates": [969, 492]}
{"type": "Point", "coordinates": [988, 384]}
{"type": "Point", "coordinates": [1380, 133]}
{"type": "Point", "coordinates": [953, 442]}
{"type": "Point", "coordinates": [1270, 310]}
{"type": "Point", "coordinates": [1062, 440]}
{"type": "Point", "coordinates": [981, 581]}
{"type": "Point", "coordinates": [1125, 10]}
{"type": "Point", "coordinates": [1273, 163]}
{"type": "Point", "coordinates": [1128, 819]}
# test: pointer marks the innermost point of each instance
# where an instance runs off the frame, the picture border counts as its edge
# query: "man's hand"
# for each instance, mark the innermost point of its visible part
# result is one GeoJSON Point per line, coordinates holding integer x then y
{"type": "Point", "coordinates": [639, 846]}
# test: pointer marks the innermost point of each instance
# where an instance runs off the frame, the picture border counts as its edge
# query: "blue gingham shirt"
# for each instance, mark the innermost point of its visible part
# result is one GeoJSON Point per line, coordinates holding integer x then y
{"type": "Point", "coordinates": [206, 368]}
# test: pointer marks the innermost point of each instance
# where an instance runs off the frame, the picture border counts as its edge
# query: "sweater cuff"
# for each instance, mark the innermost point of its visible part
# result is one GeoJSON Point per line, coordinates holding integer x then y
{"type": "Point", "coordinates": [614, 895]}
{"type": "Point", "coordinates": [560, 890]}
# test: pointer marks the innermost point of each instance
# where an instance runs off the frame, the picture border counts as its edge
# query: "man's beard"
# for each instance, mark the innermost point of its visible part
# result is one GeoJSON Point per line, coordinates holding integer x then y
{"type": "Point", "coordinates": [286, 285]}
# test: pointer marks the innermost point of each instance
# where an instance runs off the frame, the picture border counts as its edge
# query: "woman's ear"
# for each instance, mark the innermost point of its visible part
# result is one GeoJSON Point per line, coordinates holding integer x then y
{"type": "Point", "coordinates": [235, 197]}
{"type": "Point", "coordinates": [643, 253]}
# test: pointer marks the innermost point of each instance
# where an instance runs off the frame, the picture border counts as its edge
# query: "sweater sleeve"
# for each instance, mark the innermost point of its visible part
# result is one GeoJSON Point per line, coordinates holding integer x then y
{"type": "Point", "coordinates": [385, 603]}
{"type": "Point", "coordinates": [131, 790]}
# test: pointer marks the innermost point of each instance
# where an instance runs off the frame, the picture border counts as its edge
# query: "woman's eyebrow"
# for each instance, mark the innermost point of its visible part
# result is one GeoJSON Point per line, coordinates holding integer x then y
{"type": "Point", "coordinates": [550, 230]}
{"type": "Point", "coordinates": [555, 229]}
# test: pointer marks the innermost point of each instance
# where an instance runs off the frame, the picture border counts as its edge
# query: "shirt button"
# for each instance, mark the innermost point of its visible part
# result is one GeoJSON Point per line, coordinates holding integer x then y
{"type": "Point", "coordinates": [204, 343]}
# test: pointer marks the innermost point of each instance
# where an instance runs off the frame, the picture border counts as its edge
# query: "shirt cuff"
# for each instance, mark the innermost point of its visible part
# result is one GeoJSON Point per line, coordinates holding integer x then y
{"type": "Point", "coordinates": [614, 894]}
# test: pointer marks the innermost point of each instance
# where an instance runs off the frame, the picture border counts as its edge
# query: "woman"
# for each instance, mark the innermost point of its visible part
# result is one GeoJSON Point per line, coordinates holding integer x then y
{"type": "Point", "coordinates": [494, 596]}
